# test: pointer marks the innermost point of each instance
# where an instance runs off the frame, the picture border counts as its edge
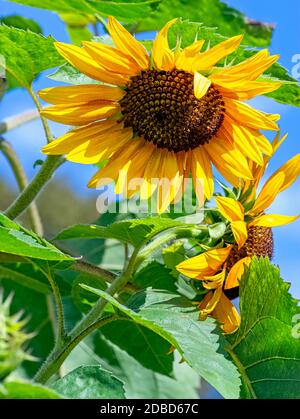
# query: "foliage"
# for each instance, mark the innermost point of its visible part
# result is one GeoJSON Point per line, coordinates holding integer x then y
{"type": "Point", "coordinates": [104, 299]}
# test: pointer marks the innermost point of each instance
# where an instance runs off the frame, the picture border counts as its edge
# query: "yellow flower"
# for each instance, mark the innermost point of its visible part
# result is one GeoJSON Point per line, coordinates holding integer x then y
{"type": "Point", "coordinates": [163, 116]}
{"type": "Point", "coordinates": [221, 269]}
{"type": "Point", "coordinates": [211, 268]}
{"type": "Point", "coordinates": [253, 219]}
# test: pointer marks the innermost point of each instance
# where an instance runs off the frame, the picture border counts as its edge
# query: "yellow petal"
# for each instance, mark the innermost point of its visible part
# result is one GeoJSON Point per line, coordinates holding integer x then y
{"type": "Point", "coordinates": [244, 90]}
{"type": "Point", "coordinates": [228, 159]}
{"type": "Point", "coordinates": [242, 138]}
{"type": "Point", "coordinates": [170, 183]}
{"type": "Point", "coordinates": [249, 69]}
{"type": "Point", "coordinates": [263, 143]}
{"type": "Point", "coordinates": [291, 172]}
{"type": "Point", "coordinates": [240, 233]}
{"type": "Point", "coordinates": [236, 273]}
{"type": "Point", "coordinates": [257, 171]}
{"type": "Point", "coordinates": [117, 164]}
{"type": "Point", "coordinates": [202, 170]}
{"type": "Point", "coordinates": [206, 264]}
{"type": "Point", "coordinates": [81, 93]}
{"type": "Point", "coordinates": [273, 220]}
{"type": "Point", "coordinates": [125, 42]}
{"type": "Point", "coordinates": [136, 170]}
{"type": "Point", "coordinates": [80, 59]}
{"type": "Point", "coordinates": [215, 281]}
{"type": "Point", "coordinates": [78, 136]}
{"type": "Point", "coordinates": [163, 57]}
{"type": "Point", "coordinates": [277, 142]}
{"type": "Point", "coordinates": [81, 114]}
{"type": "Point", "coordinates": [209, 303]}
{"type": "Point", "coordinates": [101, 148]}
{"type": "Point", "coordinates": [231, 209]}
{"type": "Point", "coordinates": [201, 85]}
{"type": "Point", "coordinates": [184, 59]}
{"type": "Point", "coordinates": [248, 116]}
{"type": "Point", "coordinates": [268, 194]}
{"type": "Point", "coordinates": [227, 315]}
{"type": "Point", "coordinates": [208, 59]}
{"type": "Point", "coordinates": [111, 58]}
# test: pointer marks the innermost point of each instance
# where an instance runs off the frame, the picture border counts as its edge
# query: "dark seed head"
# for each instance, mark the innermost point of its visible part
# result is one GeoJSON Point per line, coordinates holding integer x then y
{"type": "Point", "coordinates": [259, 243]}
{"type": "Point", "coordinates": [161, 107]}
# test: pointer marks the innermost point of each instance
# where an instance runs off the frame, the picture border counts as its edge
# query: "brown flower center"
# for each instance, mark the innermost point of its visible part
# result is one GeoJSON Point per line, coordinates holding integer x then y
{"type": "Point", "coordinates": [161, 107]}
{"type": "Point", "coordinates": [259, 243]}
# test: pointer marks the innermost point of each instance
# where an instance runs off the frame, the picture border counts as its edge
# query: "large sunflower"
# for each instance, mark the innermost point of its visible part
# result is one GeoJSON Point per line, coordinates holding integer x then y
{"type": "Point", "coordinates": [163, 116]}
{"type": "Point", "coordinates": [220, 269]}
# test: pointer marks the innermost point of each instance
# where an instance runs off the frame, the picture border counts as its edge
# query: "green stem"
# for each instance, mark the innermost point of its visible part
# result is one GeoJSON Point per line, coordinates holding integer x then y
{"type": "Point", "coordinates": [97, 271]}
{"type": "Point", "coordinates": [57, 357]}
{"type": "Point", "coordinates": [46, 127]}
{"type": "Point", "coordinates": [176, 234]}
{"type": "Point", "coordinates": [88, 268]}
{"type": "Point", "coordinates": [22, 181]}
{"type": "Point", "coordinates": [115, 286]}
{"type": "Point", "coordinates": [101, 20]}
{"type": "Point", "coordinates": [84, 327]}
{"type": "Point", "coordinates": [92, 320]}
{"type": "Point", "coordinates": [59, 339]}
{"type": "Point", "coordinates": [32, 190]}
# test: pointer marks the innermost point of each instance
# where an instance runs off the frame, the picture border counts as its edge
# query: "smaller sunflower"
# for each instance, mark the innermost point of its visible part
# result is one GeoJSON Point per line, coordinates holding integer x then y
{"type": "Point", "coordinates": [221, 269]}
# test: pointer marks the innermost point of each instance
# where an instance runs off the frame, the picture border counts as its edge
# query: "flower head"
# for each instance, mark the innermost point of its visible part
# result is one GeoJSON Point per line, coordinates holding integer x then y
{"type": "Point", "coordinates": [164, 116]}
{"type": "Point", "coordinates": [221, 269]}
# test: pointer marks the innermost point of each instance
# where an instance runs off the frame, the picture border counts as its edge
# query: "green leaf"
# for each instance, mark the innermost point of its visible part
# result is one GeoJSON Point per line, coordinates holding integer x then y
{"type": "Point", "coordinates": [21, 22]}
{"type": "Point", "coordinates": [143, 383]}
{"type": "Point", "coordinates": [147, 347]}
{"type": "Point", "coordinates": [90, 383]}
{"type": "Point", "coordinates": [187, 32]}
{"type": "Point", "coordinates": [26, 275]}
{"type": "Point", "coordinates": [176, 319]}
{"type": "Point", "coordinates": [155, 275]}
{"type": "Point", "coordinates": [83, 299]}
{"type": "Point", "coordinates": [125, 10]}
{"type": "Point", "coordinates": [214, 13]}
{"type": "Point", "coordinates": [172, 256]}
{"type": "Point", "coordinates": [26, 390]}
{"type": "Point", "coordinates": [217, 231]}
{"type": "Point", "coordinates": [68, 74]}
{"type": "Point", "coordinates": [265, 350]}
{"type": "Point", "coordinates": [134, 232]}
{"type": "Point", "coordinates": [26, 54]}
{"type": "Point", "coordinates": [77, 27]}
{"type": "Point", "coordinates": [16, 240]}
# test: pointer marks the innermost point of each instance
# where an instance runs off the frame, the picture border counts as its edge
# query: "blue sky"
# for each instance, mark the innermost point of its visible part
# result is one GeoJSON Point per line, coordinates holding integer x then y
{"type": "Point", "coordinates": [29, 139]}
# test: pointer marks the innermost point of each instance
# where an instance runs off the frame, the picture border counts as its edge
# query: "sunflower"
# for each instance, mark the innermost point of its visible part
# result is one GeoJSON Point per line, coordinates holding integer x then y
{"type": "Point", "coordinates": [221, 269]}
{"type": "Point", "coordinates": [163, 116]}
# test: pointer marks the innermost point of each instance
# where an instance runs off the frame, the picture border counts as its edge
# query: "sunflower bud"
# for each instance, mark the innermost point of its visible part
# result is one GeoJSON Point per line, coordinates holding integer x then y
{"type": "Point", "coordinates": [12, 338]}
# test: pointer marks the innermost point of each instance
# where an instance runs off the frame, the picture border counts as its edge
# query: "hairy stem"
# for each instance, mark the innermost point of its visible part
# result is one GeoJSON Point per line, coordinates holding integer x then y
{"type": "Point", "coordinates": [59, 339]}
{"type": "Point", "coordinates": [57, 357]}
{"type": "Point", "coordinates": [93, 319]}
{"type": "Point", "coordinates": [88, 268]}
{"type": "Point", "coordinates": [84, 327]}
{"type": "Point", "coordinates": [22, 181]}
{"type": "Point", "coordinates": [46, 127]}
{"type": "Point", "coordinates": [32, 190]}
{"type": "Point", "coordinates": [101, 20]}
